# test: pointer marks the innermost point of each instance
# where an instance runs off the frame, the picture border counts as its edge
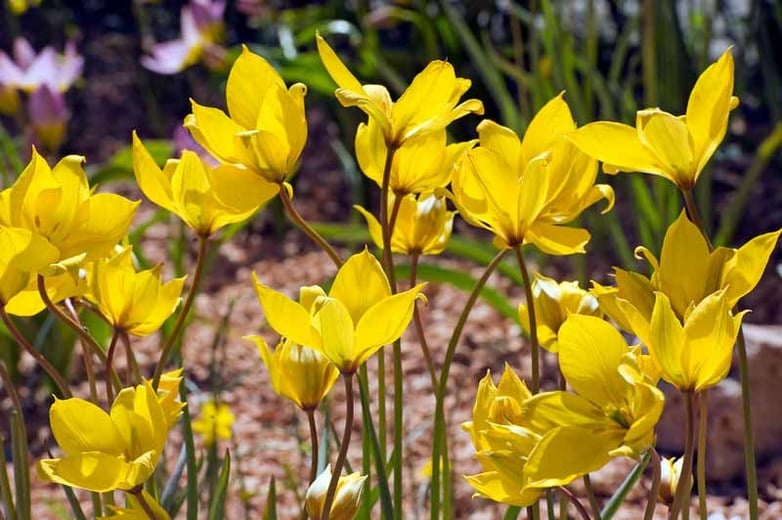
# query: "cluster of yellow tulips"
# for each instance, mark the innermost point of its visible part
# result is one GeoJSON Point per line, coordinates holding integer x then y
{"type": "Point", "coordinates": [63, 247]}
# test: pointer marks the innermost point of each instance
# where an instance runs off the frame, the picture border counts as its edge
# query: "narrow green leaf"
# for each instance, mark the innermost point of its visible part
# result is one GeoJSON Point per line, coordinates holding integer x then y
{"type": "Point", "coordinates": [217, 511]}
{"type": "Point", "coordinates": [270, 512]}
{"type": "Point", "coordinates": [386, 507]}
{"type": "Point", "coordinates": [615, 502]}
{"type": "Point", "coordinates": [21, 466]}
{"type": "Point", "coordinates": [6, 495]}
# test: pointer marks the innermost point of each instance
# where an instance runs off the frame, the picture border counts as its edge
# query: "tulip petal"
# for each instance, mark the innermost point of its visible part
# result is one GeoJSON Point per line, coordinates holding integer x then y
{"type": "Point", "coordinates": [557, 240]}
{"type": "Point", "coordinates": [153, 181]}
{"type": "Point", "coordinates": [287, 317]}
{"type": "Point", "coordinates": [549, 125]}
{"type": "Point", "coordinates": [80, 426]}
{"type": "Point", "coordinates": [666, 342]}
{"type": "Point", "coordinates": [360, 284]}
{"type": "Point", "coordinates": [742, 272]}
{"type": "Point", "coordinates": [336, 69]}
{"type": "Point", "coordinates": [94, 471]}
{"type": "Point", "coordinates": [215, 131]}
{"type": "Point", "coordinates": [337, 330]}
{"type": "Point", "coordinates": [251, 79]}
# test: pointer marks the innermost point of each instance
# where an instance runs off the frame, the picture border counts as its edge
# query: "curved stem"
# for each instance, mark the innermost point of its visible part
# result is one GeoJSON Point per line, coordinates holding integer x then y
{"type": "Point", "coordinates": [385, 222]}
{"type": "Point", "coordinates": [142, 501]}
{"type": "Point", "coordinates": [655, 489]}
{"type": "Point", "coordinates": [203, 245]}
{"type": "Point", "coordinates": [703, 418]}
{"type": "Point", "coordinates": [52, 372]}
{"type": "Point", "coordinates": [314, 444]}
{"type": "Point", "coordinates": [442, 386]}
{"type": "Point", "coordinates": [308, 230]}
{"type": "Point", "coordinates": [575, 501]}
{"type": "Point", "coordinates": [343, 448]}
{"type": "Point", "coordinates": [695, 217]}
{"type": "Point", "coordinates": [419, 324]}
{"type": "Point", "coordinates": [533, 324]}
{"type": "Point", "coordinates": [109, 367]}
{"type": "Point", "coordinates": [592, 498]}
{"type": "Point", "coordinates": [681, 501]}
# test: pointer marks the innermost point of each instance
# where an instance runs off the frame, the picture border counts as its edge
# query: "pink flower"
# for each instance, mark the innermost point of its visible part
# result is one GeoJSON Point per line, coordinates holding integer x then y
{"type": "Point", "coordinates": [28, 71]}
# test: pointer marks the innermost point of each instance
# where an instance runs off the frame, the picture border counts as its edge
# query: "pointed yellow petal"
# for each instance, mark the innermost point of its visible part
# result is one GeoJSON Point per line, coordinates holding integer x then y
{"type": "Point", "coordinates": [557, 240]}
{"type": "Point", "coordinates": [93, 471]}
{"type": "Point", "coordinates": [80, 426]}
{"type": "Point", "coordinates": [667, 137]}
{"type": "Point", "coordinates": [336, 69]}
{"type": "Point", "coordinates": [373, 225]}
{"type": "Point", "coordinates": [287, 317]}
{"type": "Point", "coordinates": [151, 179]}
{"type": "Point", "coordinates": [666, 342]}
{"type": "Point", "coordinates": [360, 284]}
{"type": "Point", "coordinates": [338, 333]}
{"type": "Point", "coordinates": [215, 131]}
{"type": "Point", "coordinates": [548, 126]}
{"type": "Point", "coordinates": [251, 79]}
{"type": "Point", "coordinates": [743, 271]}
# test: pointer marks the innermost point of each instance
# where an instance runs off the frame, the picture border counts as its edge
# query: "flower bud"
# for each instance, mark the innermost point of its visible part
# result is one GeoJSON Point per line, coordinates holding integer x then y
{"type": "Point", "coordinates": [346, 499]}
{"type": "Point", "coordinates": [670, 471]}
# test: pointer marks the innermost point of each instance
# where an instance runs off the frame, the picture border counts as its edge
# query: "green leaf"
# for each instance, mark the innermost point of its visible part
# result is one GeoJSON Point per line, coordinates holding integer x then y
{"type": "Point", "coordinates": [270, 513]}
{"type": "Point", "coordinates": [615, 502]}
{"type": "Point", "coordinates": [217, 511]}
{"type": "Point", "coordinates": [21, 466]}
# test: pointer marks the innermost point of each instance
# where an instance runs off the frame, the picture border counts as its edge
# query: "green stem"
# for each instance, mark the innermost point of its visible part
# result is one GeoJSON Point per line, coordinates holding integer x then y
{"type": "Point", "coordinates": [654, 491]}
{"type": "Point", "coordinates": [314, 444]}
{"type": "Point", "coordinates": [6, 495]}
{"type": "Point", "coordinates": [308, 230]}
{"type": "Point", "coordinates": [703, 417]}
{"type": "Point", "coordinates": [592, 498]}
{"type": "Point", "coordinates": [62, 385]}
{"type": "Point", "coordinates": [343, 448]}
{"type": "Point", "coordinates": [136, 492]}
{"type": "Point", "coordinates": [695, 217]}
{"type": "Point", "coordinates": [168, 348]}
{"type": "Point", "coordinates": [438, 444]}
{"type": "Point", "coordinates": [575, 501]}
{"type": "Point", "coordinates": [109, 367]}
{"type": "Point", "coordinates": [134, 372]}
{"type": "Point", "coordinates": [681, 500]}
{"type": "Point", "coordinates": [533, 324]}
{"type": "Point", "coordinates": [419, 325]}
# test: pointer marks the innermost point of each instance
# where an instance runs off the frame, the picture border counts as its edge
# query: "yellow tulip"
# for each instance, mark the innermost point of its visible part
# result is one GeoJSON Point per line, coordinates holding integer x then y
{"type": "Point", "coordinates": [421, 164]}
{"type": "Point", "coordinates": [423, 225]}
{"type": "Point", "coordinates": [301, 374]}
{"type": "Point", "coordinates": [429, 104]}
{"type": "Point", "coordinates": [674, 147]}
{"type": "Point", "coordinates": [694, 352]}
{"type": "Point", "coordinates": [23, 254]}
{"type": "Point", "coordinates": [168, 395]}
{"type": "Point", "coordinates": [206, 198]}
{"type": "Point", "coordinates": [136, 510]}
{"type": "Point", "coordinates": [347, 499]}
{"type": "Point", "coordinates": [524, 191]}
{"type": "Point", "coordinates": [354, 321]}
{"type": "Point", "coordinates": [266, 130]}
{"type": "Point", "coordinates": [214, 422]}
{"type": "Point", "coordinates": [687, 272]}
{"type": "Point", "coordinates": [107, 451]}
{"type": "Point", "coordinates": [554, 302]}
{"type": "Point", "coordinates": [58, 204]}
{"type": "Point", "coordinates": [134, 302]}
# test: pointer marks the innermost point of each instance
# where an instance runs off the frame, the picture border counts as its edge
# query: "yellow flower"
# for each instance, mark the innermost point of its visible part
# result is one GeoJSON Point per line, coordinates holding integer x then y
{"type": "Point", "coordinates": [674, 147]}
{"type": "Point", "coordinates": [428, 105]}
{"type": "Point", "coordinates": [554, 302]}
{"type": "Point", "coordinates": [423, 225]}
{"type": "Point", "coordinates": [58, 204]}
{"type": "Point", "coordinates": [136, 510]}
{"type": "Point", "coordinates": [346, 500]}
{"type": "Point", "coordinates": [687, 272]}
{"type": "Point", "coordinates": [354, 321]}
{"type": "Point", "coordinates": [524, 191]}
{"type": "Point", "coordinates": [103, 452]}
{"type": "Point", "coordinates": [670, 473]}
{"type": "Point", "coordinates": [134, 302]}
{"type": "Point", "coordinates": [206, 198]}
{"type": "Point", "coordinates": [299, 373]}
{"type": "Point", "coordinates": [266, 130]}
{"type": "Point", "coordinates": [694, 352]}
{"type": "Point", "coordinates": [23, 254]}
{"type": "Point", "coordinates": [214, 422]}
{"type": "Point", "coordinates": [420, 164]}
{"type": "Point", "coordinates": [168, 395]}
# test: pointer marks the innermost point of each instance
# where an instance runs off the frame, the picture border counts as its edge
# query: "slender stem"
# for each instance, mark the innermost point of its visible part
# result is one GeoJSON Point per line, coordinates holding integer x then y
{"type": "Point", "coordinates": [398, 428]}
{"type": "Point", "coordinates": [419, 324]}
{"type": "Point", "coordinates": [134, 373]}
{"type": "Point", "coordinates": [442, 386]}
{"type": "Point", "coordinates": [62, 385]}
{"type": "Point", "coordinates": [313, 443]}
{"type": "Point", "coordinates": [694, 214]}
{"type": "Point", "coordinates": [575, 501]}
{"type": "Point", "coordinates": [10, 389]}
{"type": "Point", "coordinates": [138, 493]}
{"type": "Point", "coordinates": [385, 222]}
{"type": "Point", "coordinates": [308, 230]}
{"type": "Point", "coordinates": [109, 367]}
{"type": "Point", "coordinates": [681, 500]}
{"type": "Point", "coordinates": [750, 464]}
{"type": "Point", "coordinates": [592, 498]}
{"type": "Point", "coordinates": [88, 346]}
{"type": "Point", "coordinates": [703, 418]}
{"type": "Point", "coordinates": [343, 448]}
{"type": "Point", "coordinates": [655, 489]}
{"type": "Point", "coordinates": [203, 245]}
{"type": "Point", "coordinates": [533, 324]}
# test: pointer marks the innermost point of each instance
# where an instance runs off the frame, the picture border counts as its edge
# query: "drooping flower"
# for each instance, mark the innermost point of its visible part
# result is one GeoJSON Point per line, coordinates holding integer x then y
{"type": "Point", "coordinates": [214, 422]}
{"type": "Point", "coordinates": [107, 451]}
{"type": "Point", "coordinates": [687, 272]}
{"type": "Point", "coordinates": [266, 130]}
{"type": "Point", "coordinates": [423, 225]}
{"type": "Point", "coordinates": [201, 24]}
{"type": "Point", "coordinates": [554, 302]}
{"type": "Point", "coordinates": [205, 197]}
{"type": "Point", "coordinates": [346, 500]}
{"type": "Point", "coordinates": [298, 373]}
{"type": "Point", "coordinates": [352, 322]}
{"type": "Point", "coordinates": [134, 302]}
{"type": "Point", "coordinates": [695, 351]}
{"type": "Point", "coordinates": [525, 191]}
{"type": "Point", "coordinates": [58, 204]}
{"type": "Point", "coordinates": [674, 147]}
{"type": "Point", "coordinates": [29, 70]}
{"type": "Point", "coordinates": [428, 105]}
